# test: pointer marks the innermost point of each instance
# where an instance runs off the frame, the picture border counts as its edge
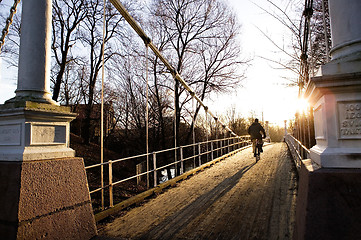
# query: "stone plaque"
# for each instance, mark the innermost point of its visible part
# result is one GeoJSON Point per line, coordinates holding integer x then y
{"type": "Point", "coordinates": [349, 116]}
{"type": "Point", "coordinates": [48, 134]}
{"type": "Point", "coordinates": [10, 135]}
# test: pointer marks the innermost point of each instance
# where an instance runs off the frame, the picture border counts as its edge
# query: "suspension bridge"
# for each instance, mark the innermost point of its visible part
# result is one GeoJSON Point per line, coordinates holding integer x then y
{"type": "Point", "coordinates": [216, 189]}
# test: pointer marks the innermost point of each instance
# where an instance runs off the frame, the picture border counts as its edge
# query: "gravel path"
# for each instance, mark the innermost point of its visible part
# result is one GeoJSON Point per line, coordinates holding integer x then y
{"type": "Point", "coordinates": [234, 199]}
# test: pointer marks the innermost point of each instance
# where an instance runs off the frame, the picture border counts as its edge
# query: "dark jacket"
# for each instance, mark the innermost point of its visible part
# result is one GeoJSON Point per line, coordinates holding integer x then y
{"type": "Point", "coordinates": [255, 131]}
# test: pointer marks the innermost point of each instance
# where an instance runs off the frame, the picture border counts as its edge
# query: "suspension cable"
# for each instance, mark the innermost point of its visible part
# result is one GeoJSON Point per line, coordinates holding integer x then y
{"type": "Point", "coordinates": [117, 4]}
{"type": "Point", "coordinates": [307, 13]}
{"type": "Point", "coordinates": [325, 30]}
{"type": "Point", "coordinates": [9, 21]}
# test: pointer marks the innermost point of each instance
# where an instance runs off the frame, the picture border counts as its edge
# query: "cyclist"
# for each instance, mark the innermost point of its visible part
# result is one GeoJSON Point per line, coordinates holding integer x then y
{"type": "Point", "coordinates": [255, 131]}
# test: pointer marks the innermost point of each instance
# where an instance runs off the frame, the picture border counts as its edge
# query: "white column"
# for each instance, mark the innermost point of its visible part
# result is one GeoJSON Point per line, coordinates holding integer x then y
{"type": "Point", "coordinates": [345, 27]}
{"type": "Point", "coordinates": [345, 21]}
{"type": "Point", "coordinates": [35, 52]}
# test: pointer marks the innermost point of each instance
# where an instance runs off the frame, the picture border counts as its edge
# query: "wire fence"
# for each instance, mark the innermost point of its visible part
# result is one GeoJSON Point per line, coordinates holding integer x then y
{"type": "Point", "coordinates": [130, 173]}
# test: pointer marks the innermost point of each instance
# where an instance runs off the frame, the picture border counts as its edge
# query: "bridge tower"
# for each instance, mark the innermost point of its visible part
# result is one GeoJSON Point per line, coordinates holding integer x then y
{"type": "Point", "coordinates": [329, 199]}
{"type": "Point", "coordinates": [43, 187]}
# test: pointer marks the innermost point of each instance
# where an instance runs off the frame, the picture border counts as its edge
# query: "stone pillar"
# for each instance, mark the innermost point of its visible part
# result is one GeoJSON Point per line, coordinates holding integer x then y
{"type": "Point", "coordinates": [35, 52]}
{"type": "Point", "coordinates": [336, 94]}
{"type": "Point", "coordinates": [328, 203]}
{"type": "Point", "coordinates": [345, 28]}
{"type": "Point", "coordinates": [286, 128]}
{"type": "Point", "coordinates": [43, 187]}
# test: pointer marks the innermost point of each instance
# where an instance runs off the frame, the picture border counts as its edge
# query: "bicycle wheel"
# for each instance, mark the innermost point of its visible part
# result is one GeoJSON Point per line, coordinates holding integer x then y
{"type": "Point", "coordinates": [256, 152]}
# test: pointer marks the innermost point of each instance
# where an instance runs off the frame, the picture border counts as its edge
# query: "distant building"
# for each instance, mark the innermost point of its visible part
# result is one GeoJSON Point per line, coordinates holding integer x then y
{"type": "Point", "coordinates": [77, 124]}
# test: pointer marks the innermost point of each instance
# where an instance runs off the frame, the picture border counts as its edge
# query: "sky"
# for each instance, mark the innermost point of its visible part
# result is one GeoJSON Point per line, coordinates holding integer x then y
{"type": "Point", "coordinates": [264, 88]}
{"type": "Point", "coordinates": [262, 92]}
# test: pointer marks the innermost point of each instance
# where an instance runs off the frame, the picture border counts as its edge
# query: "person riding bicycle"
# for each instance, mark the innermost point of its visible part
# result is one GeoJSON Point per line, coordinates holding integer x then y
{"type": "Point", "coordinates": [255, 131]}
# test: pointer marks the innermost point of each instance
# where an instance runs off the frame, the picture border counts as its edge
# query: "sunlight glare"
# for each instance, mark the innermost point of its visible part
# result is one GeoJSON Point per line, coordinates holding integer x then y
{"type": "Point", "coordinates": [302, 105]}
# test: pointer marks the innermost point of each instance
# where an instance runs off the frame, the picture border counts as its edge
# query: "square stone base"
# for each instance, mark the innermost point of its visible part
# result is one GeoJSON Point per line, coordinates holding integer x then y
{"type": "Point", "coordinates": [45, 199]}
{"type": "Point", "coordinates": [328, 203]}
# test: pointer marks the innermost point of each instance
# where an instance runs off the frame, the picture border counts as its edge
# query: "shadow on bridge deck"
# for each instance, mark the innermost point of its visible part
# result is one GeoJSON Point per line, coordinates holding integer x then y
{"type": "Point", "coordinates": [235, 199]}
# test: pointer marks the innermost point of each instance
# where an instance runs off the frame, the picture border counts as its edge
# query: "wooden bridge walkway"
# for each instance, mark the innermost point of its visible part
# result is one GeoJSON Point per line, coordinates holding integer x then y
{"type": "Point", "coordinates": [234, 199]}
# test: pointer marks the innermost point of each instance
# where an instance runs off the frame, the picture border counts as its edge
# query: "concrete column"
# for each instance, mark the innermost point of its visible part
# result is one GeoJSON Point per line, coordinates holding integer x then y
{"type": "Point", "coordinates": [35, 52]}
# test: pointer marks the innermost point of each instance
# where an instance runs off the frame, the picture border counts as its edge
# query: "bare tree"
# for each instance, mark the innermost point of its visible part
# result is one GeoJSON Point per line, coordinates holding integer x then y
{"type": "Point", "coordinates": [92, 29]}
{"type": "Point", "coordinates": [292, 16]}
{"type": "Point", "coordinates": [67, 15]}
{"type": "Point", "coordinates": [200, 41]}
{"type": "Point", "coordinates": [236, 122]}
{"type": "Point", "coordinates": [320, 39]}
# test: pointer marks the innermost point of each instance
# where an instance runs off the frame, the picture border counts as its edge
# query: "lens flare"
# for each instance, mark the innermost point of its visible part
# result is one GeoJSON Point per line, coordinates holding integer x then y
{"type": "Point", "coordinates": [302, 105]}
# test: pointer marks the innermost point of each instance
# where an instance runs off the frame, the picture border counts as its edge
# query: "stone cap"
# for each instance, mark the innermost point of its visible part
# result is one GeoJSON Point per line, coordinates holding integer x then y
{"type": "Point", "coordinates": [35, 106]}
{"type": "Point", "coordinates": [319, 86]}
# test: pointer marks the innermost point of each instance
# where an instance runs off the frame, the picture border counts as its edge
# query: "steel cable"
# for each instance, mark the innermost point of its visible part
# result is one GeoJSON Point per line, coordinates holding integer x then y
{"type": "Point", "coordinates": [9, 21]}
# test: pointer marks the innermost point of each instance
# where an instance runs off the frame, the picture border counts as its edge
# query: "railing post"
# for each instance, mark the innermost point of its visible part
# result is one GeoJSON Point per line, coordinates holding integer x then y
{"type": "Point", "coordinates": [298, 149]}
{"type": "Point", "coordinates": [207, 150]}
{"type": "Point", "coordinates": [228, 146]}
{"type": "Point", "coordinates": [181, 157]}
{"type": "Point", "coordinates": [155, 168]}
{"type": "Point", "coordinates": [212, 157]}
{"type": "Point", "coordinates": [199, 154]}
{"type": "Point", "coordinates": [221, 147]}
{"type": "Point", "coordinates": [194, 155]}
{"type": "Point", "coordinates": [111, 184]}
{"type": "Point", "coordinates": [175, 161]}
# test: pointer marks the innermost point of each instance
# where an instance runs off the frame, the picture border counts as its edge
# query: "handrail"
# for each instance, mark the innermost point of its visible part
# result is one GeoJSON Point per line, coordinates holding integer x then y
{"type": "Point", "coordinates": [297, 149]}
{"type": "Point", "coordinates": [204, 154]}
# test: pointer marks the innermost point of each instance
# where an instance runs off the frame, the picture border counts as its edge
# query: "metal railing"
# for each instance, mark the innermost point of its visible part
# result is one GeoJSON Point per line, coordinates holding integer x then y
{"type": "Point", "coordinates": [188, 157]}
{"type": "Point", "coordinates": [297, 149]}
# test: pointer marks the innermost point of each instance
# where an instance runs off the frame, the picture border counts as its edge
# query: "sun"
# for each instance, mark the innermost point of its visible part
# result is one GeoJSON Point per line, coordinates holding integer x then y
{"type": "Point", "coordinates": [302, 105]}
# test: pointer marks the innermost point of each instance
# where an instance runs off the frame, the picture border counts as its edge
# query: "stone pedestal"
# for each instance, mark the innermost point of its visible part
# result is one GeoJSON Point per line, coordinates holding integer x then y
{"type": "Point", "coordinates": [34, 131]}
{"type": "Point", "coordinates": [45, 199]}
{"type": "Point", "coordinates": [43, 187]}
{"type": "Point", "coordinates": [328, 203]}
{"type": "Point", "coordinates": [336, 101]}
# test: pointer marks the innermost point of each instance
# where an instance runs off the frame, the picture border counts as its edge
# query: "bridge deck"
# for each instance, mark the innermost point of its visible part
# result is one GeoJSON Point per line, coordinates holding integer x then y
{"type": "Point", "coordinates": [234, 199]}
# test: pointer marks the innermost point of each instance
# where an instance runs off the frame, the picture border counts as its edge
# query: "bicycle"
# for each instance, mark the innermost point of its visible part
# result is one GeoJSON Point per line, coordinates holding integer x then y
{"type": "Point", "coordinates": [257, 148]}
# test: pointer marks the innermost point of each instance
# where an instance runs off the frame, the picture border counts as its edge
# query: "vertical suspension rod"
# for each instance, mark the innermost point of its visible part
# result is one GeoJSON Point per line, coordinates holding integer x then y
{"type": "Point", "coordinates": [102, 117]}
